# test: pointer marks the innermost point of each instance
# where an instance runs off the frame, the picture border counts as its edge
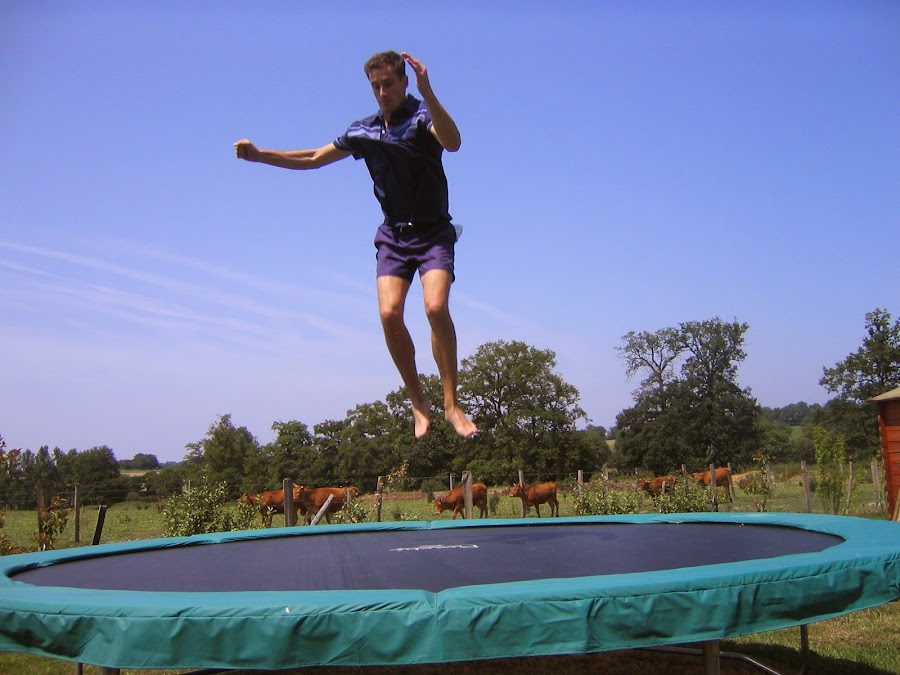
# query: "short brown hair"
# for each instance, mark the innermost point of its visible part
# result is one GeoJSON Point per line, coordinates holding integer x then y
{"type": "Point", "coordinates": [389, 59]}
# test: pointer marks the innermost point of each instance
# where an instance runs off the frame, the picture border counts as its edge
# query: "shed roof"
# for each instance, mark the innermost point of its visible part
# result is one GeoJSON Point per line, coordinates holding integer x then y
{"type": "Point", "coordinates": [887, 396]}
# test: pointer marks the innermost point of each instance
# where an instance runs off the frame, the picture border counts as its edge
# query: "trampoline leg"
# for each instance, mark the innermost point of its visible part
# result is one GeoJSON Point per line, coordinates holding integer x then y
{"type": "Point", "coordinates": [711, 657]}
{"type": "Point", "coordinates": [804, 648]}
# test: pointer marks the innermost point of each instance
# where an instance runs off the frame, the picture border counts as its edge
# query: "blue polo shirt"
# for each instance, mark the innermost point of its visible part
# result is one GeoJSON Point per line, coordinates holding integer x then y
{"type": "Point", "coordinates": [404, 161]}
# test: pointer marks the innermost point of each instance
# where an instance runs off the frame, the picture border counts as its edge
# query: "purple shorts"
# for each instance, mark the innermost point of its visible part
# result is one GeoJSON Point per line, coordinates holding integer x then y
{"type": "Point", "coordinates": [402, 251]}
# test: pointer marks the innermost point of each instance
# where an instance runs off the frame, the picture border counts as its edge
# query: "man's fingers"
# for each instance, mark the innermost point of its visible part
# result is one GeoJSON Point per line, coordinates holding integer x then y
{"type": "Point", "coordinates": [241, 148]}
{"type": "Point", "coordinates": [415, 63]}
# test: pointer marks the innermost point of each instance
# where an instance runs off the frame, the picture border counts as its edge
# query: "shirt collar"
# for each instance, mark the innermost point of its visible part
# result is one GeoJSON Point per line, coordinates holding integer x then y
{"type": "Point", "coordinates": [405, 111]}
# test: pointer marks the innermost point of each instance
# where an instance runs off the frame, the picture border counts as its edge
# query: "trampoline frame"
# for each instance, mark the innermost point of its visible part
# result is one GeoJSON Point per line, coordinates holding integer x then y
{"type": "Point", "coordinates": [701, 604]}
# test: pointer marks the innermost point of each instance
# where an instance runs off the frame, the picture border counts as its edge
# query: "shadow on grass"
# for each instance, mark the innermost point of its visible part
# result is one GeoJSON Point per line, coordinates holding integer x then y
{"type": "Point", "coordinates": [638, 662]}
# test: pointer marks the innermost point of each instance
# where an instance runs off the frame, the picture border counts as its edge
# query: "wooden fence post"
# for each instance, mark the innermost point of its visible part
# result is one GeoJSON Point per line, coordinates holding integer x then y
{"type": "Point", "coordinates": [876, 483]}
{"type": "Point", "coordinates": [522, 485]}
{"type": "Point", "coordinates": [807, 486]}
{"type": "Point", "coordinates": [76, 499]}
{"type": "Point", "coordinates": [451, 480]}
{"type": "Point", "coordinates": [712, 486]}
{"type": "Point", "coordinates": [851, 483]}
{"type": "Point", "coordinates": [467, 492]}
{"type": "Point", "coordinates": [98, 531]}
{"type": "Point", "coordinates": [379, 496]}
{"type": "Point", "coordinates": [322, 511]}
{"type": "Point", "coordinates": [580, 482]}
{"type": "Point", "coordinates": [290, 513]}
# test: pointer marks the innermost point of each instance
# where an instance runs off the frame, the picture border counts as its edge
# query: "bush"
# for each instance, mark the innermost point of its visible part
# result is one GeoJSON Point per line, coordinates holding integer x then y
{"type": "Point", "coordinates": [601, 501]}
{"type": "Point", "coordinates": [202, 509]}
{"type": "Point", "coordinates": [686, 496]}
{"type": "Point", "coordinates": [52, 521]}
{"type": "Point", "coordinates": [354, 512]}
{"type": "Point", "coordinates": [831, 455]}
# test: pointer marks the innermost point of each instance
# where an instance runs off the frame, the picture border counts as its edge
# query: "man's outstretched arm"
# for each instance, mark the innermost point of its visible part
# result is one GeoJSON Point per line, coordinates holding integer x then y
{"type": "Point", "coordinates": [290, 159]}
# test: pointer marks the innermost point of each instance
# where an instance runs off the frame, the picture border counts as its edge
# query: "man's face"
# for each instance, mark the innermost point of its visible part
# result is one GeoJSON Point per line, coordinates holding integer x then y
{"type": "Point", "coordinates": [389, 89]}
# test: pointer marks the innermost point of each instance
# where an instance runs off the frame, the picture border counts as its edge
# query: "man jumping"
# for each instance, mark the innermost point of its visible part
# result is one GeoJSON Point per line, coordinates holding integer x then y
{"type": "Point", "coordinates": [402, 145]}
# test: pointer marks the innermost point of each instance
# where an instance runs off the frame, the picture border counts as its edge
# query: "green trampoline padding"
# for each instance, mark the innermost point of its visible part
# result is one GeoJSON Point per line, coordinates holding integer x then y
{"type": "Point", "coordinates": [420, 592]}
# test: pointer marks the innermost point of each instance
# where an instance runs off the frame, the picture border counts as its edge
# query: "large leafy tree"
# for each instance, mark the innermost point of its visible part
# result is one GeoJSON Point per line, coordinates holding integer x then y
{"type": "Point", "coordinates": [96, 472]}
{"type": "Point", "coordinates": [227, 453]}
{"type": "Point", "coordinates": [289, 456]}
{"type": "Point", "coordinates": [872, 369]}
{"type": "Point", "coordinates": [368, 447]}
{"type": "Point", "coordinates": [526, 414]}
{"type": "Point", "coordinates": [689, 408]}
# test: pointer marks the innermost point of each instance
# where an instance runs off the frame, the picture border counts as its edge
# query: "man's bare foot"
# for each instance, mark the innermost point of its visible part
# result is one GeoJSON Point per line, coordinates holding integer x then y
{"type": "Point", "coordinates": [463, 425]}
{"type": "Point", "coordinates": [421, 415]}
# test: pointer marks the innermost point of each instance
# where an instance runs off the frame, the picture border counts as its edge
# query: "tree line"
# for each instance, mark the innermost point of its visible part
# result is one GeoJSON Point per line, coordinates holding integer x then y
{"type": "Point", "coordinates": [688, 409]}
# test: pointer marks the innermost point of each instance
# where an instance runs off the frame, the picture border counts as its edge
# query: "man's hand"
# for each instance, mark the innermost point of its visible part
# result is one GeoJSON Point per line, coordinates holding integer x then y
{"type": "Point", "coordinates": [422, 83]}
{"type": "Point", "coordinates": [244, 149]}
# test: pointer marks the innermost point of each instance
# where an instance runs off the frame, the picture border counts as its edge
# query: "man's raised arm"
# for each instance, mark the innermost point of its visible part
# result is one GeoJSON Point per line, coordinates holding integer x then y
{"type": "Point", "coordinates": [290, 159]}
{"type": "Point", "coordinates": [442, 125]}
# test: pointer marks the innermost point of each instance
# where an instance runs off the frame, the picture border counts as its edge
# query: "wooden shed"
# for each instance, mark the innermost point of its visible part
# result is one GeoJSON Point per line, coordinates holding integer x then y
{"type": "Point", "coordinates": [889, 428]}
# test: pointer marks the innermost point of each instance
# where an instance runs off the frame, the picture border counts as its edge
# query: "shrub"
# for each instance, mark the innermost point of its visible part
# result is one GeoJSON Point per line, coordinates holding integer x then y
{"type": "Point", "coordinates": [202, 509]}
{"type": "Point", "coordinates": [52, 522]}
{"type": "Point", "coordinates": [686, 496]}
{"type": "Point", "coordinates": [601, 501]}
{"type": "Point", "coordinates": [831, 455]}
{"type": "Point", "coordinates": [494, 503]}
{"type": "Point", "coordinates": [758, 485]}
{"type": "Point", "coordinates": [354, 512]}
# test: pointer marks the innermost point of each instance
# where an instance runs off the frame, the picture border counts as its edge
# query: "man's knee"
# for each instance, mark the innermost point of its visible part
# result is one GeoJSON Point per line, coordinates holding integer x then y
{"type": "Point", "coordinates": [391, 315]}
{"type": "Point", "coordinates": [437, 309]}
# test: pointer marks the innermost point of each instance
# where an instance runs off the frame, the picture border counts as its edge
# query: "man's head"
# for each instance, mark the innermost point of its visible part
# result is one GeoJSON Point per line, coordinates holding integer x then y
{"type": "Point", "coordinates": [386, 72]}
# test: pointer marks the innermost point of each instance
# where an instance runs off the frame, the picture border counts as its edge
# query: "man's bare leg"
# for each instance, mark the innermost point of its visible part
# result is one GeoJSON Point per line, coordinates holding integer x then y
{"type": "Point", "coordinates": [436, 291]}
{"type": "Point", "coordinates": [391, 300]}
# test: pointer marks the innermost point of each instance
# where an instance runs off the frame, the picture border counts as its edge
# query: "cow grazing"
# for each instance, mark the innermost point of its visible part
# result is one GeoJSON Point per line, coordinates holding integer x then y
{"type": "Point", "coordinates": [535, 495]}
{"type": "Point", "coordinates": [271, 502]}
{"type": "Point", "coordinates": [312, 499]}
{"type": "Point", "coordinates": [657, 486]}
{"type": "Point", "coordinates": [456, 500]}
{"type": "Point", "coordinates": [723, 479]}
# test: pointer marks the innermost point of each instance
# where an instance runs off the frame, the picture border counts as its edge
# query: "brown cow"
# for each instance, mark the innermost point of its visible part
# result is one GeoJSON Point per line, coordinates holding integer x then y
{"type": "Point", "coordinates": [535, 495]}
{"type": "Point", "coordinates": [723, 479]}
{"type": "Point", "coordinates": [657, 486]}
{"type": "Point", "coordinates": [271, 502]}
{"type": "Point", "coordinates": [312, 499]}
{"type": "Point", "coordinates": [456, 500]}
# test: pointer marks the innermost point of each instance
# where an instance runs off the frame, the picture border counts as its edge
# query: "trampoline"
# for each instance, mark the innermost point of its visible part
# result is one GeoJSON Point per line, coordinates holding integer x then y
{"type": "Point", "coordinates": [420, 592]}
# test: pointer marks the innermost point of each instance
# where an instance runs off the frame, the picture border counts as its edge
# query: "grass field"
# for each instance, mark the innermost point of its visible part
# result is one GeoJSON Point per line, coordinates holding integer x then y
{"type": "Point", "coordinates": [864, 642]}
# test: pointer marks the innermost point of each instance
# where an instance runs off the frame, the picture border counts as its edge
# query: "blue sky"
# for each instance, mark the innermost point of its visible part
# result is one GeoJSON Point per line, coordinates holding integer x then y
{"type": "Point", "coordinates": [625, 166]}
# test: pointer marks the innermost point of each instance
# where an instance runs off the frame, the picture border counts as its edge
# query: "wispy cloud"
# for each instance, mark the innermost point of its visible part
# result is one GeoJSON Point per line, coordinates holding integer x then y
{"type": "Point", "coordinates": [189, 296]}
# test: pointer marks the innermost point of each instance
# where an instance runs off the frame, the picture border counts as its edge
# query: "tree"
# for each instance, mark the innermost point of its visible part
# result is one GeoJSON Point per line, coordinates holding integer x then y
{"type": "Point", "coordinates": [855, 422]}
{"type": "Point", "coordinates": [526, 413]}
{"type": "Point", "coordinates": [96, 472]}
{"type": "Point", "coordinates": [228, 453]}
{"type": "Point", "coordinates": [654, 353]}
{"type": "Point", "coordinates": [144, 462]}
{"type": "Point", "coordinates": [288, 456]}
{"type": "Point", "coordinates": [793, 414]}
{"type": "Point", "coordinates": [689, 408]}
{"type": "Point", "coordinates": [872, 369]}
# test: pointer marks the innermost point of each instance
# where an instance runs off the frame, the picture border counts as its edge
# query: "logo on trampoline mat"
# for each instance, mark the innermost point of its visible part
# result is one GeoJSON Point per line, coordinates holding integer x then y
{"type": "Point", "coordinates": [434, 547]}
